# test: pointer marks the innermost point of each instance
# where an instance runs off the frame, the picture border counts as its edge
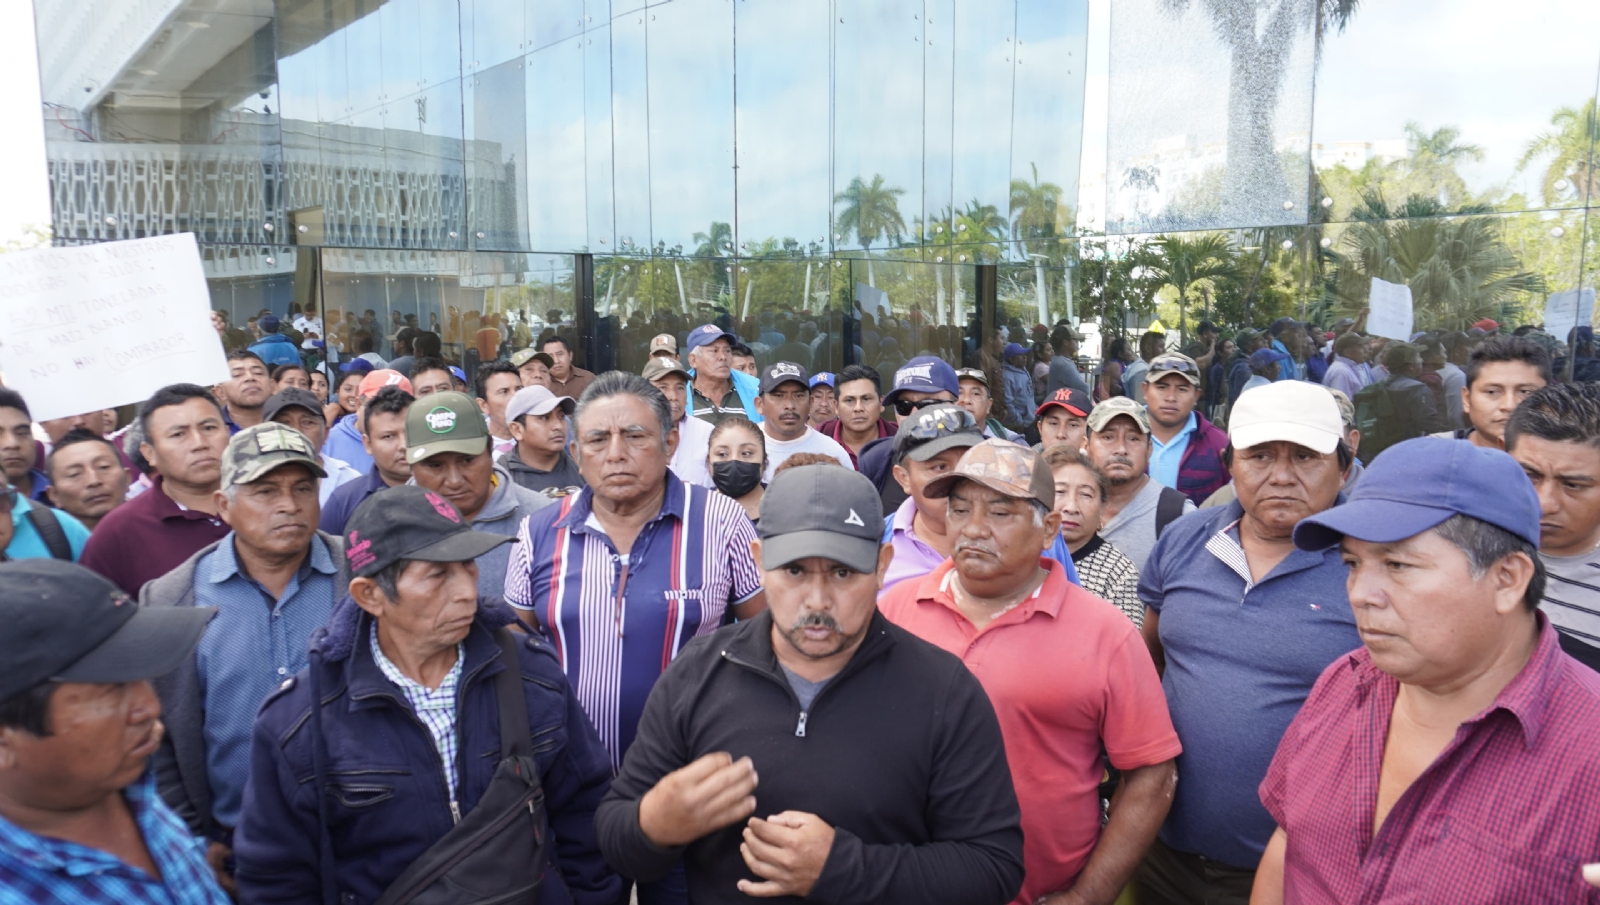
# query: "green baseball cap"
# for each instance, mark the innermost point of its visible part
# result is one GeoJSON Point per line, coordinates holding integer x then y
{"type": "Point", "coordinates": [444, 422]}
{"type": "Point", "coordinates": [254, 451]}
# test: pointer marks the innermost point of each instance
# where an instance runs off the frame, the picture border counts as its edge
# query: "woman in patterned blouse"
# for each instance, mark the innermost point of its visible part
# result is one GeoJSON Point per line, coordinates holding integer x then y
{"type": "Point", "coordinates": [1103, 570]}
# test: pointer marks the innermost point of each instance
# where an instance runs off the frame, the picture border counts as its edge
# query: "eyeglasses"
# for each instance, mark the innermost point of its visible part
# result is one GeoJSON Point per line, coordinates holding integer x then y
{"type": "Point", "coordinates": [904, 407]}
{"type": "Point", "coordinates": [1180, 365]}
{"type": "Point", "coordinates": [950, 419]}
{"type": "Point", "coordinates": [973, 374]}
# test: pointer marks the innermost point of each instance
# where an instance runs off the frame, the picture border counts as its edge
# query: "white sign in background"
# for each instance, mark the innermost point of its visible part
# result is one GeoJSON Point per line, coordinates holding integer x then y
{"type": "Point", "coordinates": [1391, 312]}
{"type": "Point", "coordinates": [97, 326]}
{"type": "Point", "coordinates": [1565, 310]}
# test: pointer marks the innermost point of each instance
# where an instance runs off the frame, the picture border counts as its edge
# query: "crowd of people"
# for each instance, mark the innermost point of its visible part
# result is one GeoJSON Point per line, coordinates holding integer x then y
{"type": "Point", "coordinates": [1304, 615]}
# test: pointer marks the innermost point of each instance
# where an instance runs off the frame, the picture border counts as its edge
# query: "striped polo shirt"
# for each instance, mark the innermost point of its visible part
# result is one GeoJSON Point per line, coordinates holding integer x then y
{"type": "Point", "coordinates": [617, 621]}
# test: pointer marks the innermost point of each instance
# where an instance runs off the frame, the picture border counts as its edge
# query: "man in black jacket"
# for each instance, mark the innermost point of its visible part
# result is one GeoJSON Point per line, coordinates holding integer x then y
{"type": "Point", "coordinates": [818, 751]}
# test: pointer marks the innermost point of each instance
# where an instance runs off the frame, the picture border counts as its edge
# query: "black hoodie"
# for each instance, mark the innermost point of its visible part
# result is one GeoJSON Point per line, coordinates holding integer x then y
{"type": "Point", "coordinates": [563, 480]}
{"type": "Point", "coordinates": [900, 753]}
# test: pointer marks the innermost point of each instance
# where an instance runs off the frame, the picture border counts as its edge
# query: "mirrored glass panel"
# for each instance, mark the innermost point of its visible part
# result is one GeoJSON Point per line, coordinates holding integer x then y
{"type": "Point", "coordinates": [691, 120]}
{"type": "Point", "coordinates": [1047, 120]}
{"type": "Point", "coordinates": [877, 122]}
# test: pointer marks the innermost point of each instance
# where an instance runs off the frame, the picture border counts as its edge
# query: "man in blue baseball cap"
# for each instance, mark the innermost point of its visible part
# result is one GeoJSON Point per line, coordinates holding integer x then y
{"type": "Point", "coordinates": [717, 391]}
{"type": "Point", "coordinates": [919, 383]}
{"type": "Point", "coordinates": [1459, 697]}
{"type": "Point", "coordinates": [824, 399]}
{"type": "Point", "coordinates": [1018, 399]}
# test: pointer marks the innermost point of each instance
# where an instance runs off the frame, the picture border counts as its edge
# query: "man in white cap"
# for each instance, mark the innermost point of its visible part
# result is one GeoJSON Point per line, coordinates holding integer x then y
{"type": "Point", "coordinates": [1251, 622]}
{"type": "Point", "coordinates": [537, 418]}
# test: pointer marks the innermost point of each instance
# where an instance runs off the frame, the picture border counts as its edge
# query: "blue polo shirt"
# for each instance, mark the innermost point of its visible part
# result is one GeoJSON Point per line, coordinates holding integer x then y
{"type": "Point", "coordinates": [346, 497]}
{"type": "Point", "coordinates": [26, 542]}
{"type": "Point", "coordinates": [1241, 659]}
{"type": "Point", "coordinates": [252, 645]}
{"type": "Point", "coordinates": [1166, 457]}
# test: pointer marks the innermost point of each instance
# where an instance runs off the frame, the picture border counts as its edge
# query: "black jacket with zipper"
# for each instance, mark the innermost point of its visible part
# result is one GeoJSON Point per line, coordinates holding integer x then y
{"type": "Point", "coordinates": [900, 753]}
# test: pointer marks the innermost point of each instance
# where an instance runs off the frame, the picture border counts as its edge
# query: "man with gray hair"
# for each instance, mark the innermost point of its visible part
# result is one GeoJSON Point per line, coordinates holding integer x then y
{"type": "Point", "coordinates": [625, 573]}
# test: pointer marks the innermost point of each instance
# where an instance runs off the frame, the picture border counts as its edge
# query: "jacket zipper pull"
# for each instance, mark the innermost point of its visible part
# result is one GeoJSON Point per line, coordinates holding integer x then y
{"type": "Point", "coordinates": [800, 730]}
{"type": "Point", "coordinates": [455, 812]}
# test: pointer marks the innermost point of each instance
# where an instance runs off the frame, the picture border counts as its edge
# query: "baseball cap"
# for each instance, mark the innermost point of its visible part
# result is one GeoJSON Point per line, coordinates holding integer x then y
{"type": "Point", "coordinates": [1261, 358]}
{"type": "Point", "coordinates": [377, 380]}
{"type": "Point", "coordinates": [1072, 399]}
{"type": "Point", "coordinates": [1487, 325]}
{"type": "Point", "coordinates": [408, 522]}
{"type": "Point", "coordinates": [444, 422]}
{"type": "Point", "coordinates": [65, 623]}
{"type": "Point", "coordinates": [664, 342]}
{"type": "Point", "coordinates": [660, 366]}
{"type": "Point", "coordinates": [269, 323]}
{"type": "Point", "coordinates": [458, 374]}
{"type": "Point", "coordinates": [932, 430]}
{"type": "Point", "coordinates": [1004, 467]}
{"type": "Point", "coordinates": [1173, 363]}
{"type": "Point", "coordinates": [1282, 324]}
{"type": "Point", "coordinates": [706, 334]}
{"type": "Point", "coordinates": [288, 398]}
{"type": "Point", "coordinates": [1015, 349]}
{"type": "Point", "coordinates": [1103, 412]}
{"type": "Point", "coordinates": [782, 372]}
{"type": "Point", "coordinates": [1289, 410]}
{"type": "Point", "coordinates": [1417, 485]}
{"type": "Point", "coordinates": [524, 356]}
{"type": "Point", "coordinates": [1347, 409]}
{"type": "Point", "coordinates": [258, 449]}
{"type": "Point", "coordinates": [977, 374]}
{"type": "Point", "coordinates": [822, 378]}
{"type": "Point", "coordinates": [356, 364]}
{"type": "Point", "coordinates": [821, 510]}
{"type": "Point", "coordinates": [536, 400]}
{"type": "Point", "coordinates": [924, 374]}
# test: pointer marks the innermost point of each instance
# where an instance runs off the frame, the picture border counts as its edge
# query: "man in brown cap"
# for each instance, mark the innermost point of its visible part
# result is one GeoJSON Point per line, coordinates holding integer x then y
{"type": "Point", "coordinates": [1067, 673]}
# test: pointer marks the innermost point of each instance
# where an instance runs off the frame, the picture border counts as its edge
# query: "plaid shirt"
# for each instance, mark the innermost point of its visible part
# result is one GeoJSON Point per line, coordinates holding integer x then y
{"type": "Point", "coordinates": [435, 707]}
{"type": "Point", "coordinates": [38, 869]}
{"type": "Point", "coordinates": [1508, 812]}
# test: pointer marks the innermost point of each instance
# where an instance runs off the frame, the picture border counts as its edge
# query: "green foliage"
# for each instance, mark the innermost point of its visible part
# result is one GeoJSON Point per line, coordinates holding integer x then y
{"type": "Point", "coordinates": [1571, 149]}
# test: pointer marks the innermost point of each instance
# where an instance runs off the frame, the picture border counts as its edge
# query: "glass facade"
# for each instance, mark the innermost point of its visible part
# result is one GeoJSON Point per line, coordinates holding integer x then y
{"type": "Point", "coordinates": [868, 179]}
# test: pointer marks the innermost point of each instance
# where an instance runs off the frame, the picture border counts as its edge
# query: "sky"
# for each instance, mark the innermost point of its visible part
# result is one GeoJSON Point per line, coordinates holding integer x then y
{"type": "Point", "coordinates": [24, 190]}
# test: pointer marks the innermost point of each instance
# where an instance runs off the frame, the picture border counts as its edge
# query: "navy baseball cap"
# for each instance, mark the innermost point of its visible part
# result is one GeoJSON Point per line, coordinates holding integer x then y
{"type": "Point", "coordinates": [1261, 358]}
{"type": "Point", "coordinates": [1417, 485]}
{"type": "Point", "coordinates": [1015, 349]}
{"type": "Point", "coordinates": [924, 374]}
{"type": "Point", "coordinates": [705, 335]}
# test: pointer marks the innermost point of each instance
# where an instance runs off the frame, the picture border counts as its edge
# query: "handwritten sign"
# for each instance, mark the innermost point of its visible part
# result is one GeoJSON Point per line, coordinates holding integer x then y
{"type": "Point", "coordinates": [1565, 310]}
{"type": "Point", "coordinates": [97, 326]}
{"type": "Point", "coordinates": [1391, 314]}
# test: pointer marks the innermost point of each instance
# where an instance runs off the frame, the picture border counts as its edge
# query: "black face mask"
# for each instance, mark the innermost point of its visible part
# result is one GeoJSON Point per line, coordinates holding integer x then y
{"type": "Point", "coordinates": [736, 478]}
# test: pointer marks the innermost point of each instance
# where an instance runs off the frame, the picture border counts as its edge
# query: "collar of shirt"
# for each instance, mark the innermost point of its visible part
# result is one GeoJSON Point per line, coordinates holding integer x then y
{"type": "Point", "coordinates": [168, 508]}
{"type": "Point", "coordinates": [41, 482]}
{"type": "Point", "coordinates": [577, 518]}
{"type": "Point", "coordinates": [420, 696]}
{"type": "Point", "coordinates": [1226, 547]}
{"type": "Point", "coordinates": [224, 565]}
{"type": "Point", "coordinates": [1181, 436]}
{"type": "Point", "coordinates": [70, 872]}
{"type": "Point", "coordinates": [1046, 598]}
{"type": "Point", "coordinates": [375, 481]}
{"type": "Point", "coordinates": [1525, 697]}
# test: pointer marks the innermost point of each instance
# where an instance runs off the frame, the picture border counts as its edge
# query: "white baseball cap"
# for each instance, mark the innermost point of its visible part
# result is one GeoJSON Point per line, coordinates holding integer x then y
{"type": "Point", "coordinates": [1289, 410]}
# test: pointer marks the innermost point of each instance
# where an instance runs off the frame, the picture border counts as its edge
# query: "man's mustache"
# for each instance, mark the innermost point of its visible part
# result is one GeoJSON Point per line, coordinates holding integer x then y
{"type": "Point", "coordinates": [976, 546]}
{"type": "Point", "coordinates": [815, 620]}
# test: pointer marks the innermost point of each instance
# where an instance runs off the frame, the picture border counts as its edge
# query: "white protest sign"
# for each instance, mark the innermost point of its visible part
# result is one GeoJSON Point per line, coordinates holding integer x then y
{"type": "Point", "coordinates": [1390, 315]}
{"type": "Point", "coordinates": [97, 326]}
{"type": "Point", "coordinates": [1565, 310]}
{"type": "Point", "coordinates": [872, 300]}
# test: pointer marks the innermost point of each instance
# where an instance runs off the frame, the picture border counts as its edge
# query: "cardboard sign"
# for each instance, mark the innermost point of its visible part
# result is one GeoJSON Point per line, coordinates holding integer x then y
{"type": "Point", "coordinates": [1565, 310]}
{"type": "Point", "coordinates": [97, 326]}
{"type": "Point", "coordinates": [1391, 314]}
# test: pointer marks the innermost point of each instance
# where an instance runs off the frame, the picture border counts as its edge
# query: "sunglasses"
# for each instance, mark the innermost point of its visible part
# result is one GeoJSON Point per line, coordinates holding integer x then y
{"type": "Point", "coordinates": [931, 425]}
{"type": "Point", "coordinates": [904, 407]}
{"type": "Point", "coordinates": [973, 374]}
{"type": "Point", "coordinates": [1174, 364]}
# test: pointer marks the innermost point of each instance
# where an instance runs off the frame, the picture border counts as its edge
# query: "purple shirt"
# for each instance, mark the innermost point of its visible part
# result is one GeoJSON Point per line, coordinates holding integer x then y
{"type": "Point", "coordinates": [147, 537]}
{"type": "Point", "coordinates": [912, 557]}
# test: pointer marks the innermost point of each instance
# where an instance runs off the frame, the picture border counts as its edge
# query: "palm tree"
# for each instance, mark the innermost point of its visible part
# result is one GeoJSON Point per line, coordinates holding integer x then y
{"type": "Point", "coordinates": [1572, 150]}
{"type": "Point", "coordinates": [1434, 156]}
{"type": "Point", "coordinates": [1259, 55]}
{"type": "Point", "coordinates": [871, 211]}
{"type": "Point", "coordinates": [1034, 210]}
{"type": "Point", "coordinates": [713, 246]}
{"type": "Point", "coordinates": [979, 232]}
{"type": "Point", "coordinates": [1182, 263]}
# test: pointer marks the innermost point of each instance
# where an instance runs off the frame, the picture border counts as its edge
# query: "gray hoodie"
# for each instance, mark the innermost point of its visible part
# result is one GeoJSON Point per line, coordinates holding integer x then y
{"type": "Point", "coordinates": [509, 503]}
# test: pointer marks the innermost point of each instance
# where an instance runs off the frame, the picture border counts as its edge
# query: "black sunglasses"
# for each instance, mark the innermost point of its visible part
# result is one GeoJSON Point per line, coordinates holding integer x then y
{"type": "Point", "coordinates": [904, 407]}
{"type": "Point", "coordinates": [952, 419]}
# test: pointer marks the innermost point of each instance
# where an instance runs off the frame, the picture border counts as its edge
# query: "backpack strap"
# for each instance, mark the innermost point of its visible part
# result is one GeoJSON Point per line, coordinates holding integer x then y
{"type": "Point", "coordinates": [50, 531]}
{"type": "Point", "coordinates": [1168, 507]}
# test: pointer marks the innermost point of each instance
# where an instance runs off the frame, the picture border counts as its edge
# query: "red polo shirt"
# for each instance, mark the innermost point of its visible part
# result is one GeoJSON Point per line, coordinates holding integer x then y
{"type": "Point", "coordinates": [835, 429]}
{"type": "Point", "coordinates": [1508, 813]}
{"type": "Point", "coordinates": [147, 537]}
{"type": "Point", "coordinates": [1066, 672]}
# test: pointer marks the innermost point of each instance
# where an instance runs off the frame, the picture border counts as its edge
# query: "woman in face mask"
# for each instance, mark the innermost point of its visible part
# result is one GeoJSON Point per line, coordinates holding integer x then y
{"type": "Point", "coordinates": [736, 456]}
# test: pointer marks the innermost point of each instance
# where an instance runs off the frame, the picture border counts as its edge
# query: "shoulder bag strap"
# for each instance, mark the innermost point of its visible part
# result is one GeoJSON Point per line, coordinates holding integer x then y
{"type": "Point", "coordinates": [515, 736]}
{"type": "Point", "coordinates": [1169, 505]}
{"type": "Point", "coordinates": [50, 531]}
{"type": "Point", "coordinates": [327, 868]}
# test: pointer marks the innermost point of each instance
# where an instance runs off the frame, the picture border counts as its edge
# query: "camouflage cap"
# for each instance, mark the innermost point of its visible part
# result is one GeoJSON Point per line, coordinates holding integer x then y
{"type": "Point", "coordinates": [529, 354]}
{"type": "Point", "coordinates": [257, 450]}
{"type": "Point", "coordinates": [444, 422]}
{"type": "Point", "coordinates": [1347, 409]}
{"type": "Point", "coordinates": [1104, 411]}
{"type": "Point", "coordinates": [1004, 467]}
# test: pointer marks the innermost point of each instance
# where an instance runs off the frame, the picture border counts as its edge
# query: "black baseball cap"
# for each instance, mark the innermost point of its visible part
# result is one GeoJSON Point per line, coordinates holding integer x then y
{"type": "Point", "coordinates": [782, 372]}
{"type": "Point", "coordinates": [930, 431]}
{"type": "Point", "coordinates": [408, 522]}
{"type": "Point", "coordinates": [288, 398]}
{"type": "Point", "coordinates": [65, 623]}
{"type": "Point", "coordinates": [821, 510]}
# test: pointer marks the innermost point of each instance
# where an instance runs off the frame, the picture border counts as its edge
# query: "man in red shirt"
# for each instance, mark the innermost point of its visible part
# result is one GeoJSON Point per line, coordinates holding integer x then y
{"type": "Point", "coordinates": [1455, 757]}
{"type": "Point", "coordinates": [1067, 673]}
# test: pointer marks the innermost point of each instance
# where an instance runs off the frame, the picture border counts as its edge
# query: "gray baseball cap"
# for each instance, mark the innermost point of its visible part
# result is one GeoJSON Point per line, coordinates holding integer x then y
{"type": "Point", "coordinates": [821, 510]}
